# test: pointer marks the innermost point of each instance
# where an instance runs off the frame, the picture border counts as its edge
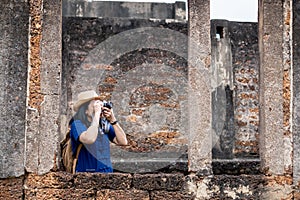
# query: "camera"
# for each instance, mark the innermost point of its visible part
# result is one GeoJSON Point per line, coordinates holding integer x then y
{"type": "Point", "coordinates": [108, 105]}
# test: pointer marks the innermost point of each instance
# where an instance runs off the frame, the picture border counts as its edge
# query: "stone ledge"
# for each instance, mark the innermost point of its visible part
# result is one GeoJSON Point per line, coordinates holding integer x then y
{"type": "Point", "coordinates": [236, 166]}
{"type": "Point", "coordinates": [151, 166]}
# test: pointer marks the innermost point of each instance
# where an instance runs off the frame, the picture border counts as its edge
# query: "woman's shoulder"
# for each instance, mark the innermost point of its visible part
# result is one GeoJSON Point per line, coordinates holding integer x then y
{"type": "Point", "coordinates": [76, 123]}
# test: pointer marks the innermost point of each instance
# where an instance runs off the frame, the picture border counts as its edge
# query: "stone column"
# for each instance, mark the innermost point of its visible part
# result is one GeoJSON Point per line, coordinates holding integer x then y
{"type": "Point", "coordinates": [200, 136]}
{"type": "Point", "coordinates": [275, 137]}
{"type": "Point", "coordinates": [42, 131]}
{"type": "Point", "coordinates": [296, 90]}
{"type": "Point", "coordinates": [13, 77]}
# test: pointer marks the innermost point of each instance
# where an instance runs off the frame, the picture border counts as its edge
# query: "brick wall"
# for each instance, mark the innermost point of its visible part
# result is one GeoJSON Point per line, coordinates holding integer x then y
{"type": "Point", "coordinates": [245, 66]}
{"type": "Point", "coordinates": [61, 185]}
{"type": "Point", "coordinates": [148, 86]}
{"type": "Point", "coordinates": [228, 182]}
{"type": "Point", "coordinates": [236, 89]}
{"type": "Point", "coordinates": [158, 93]}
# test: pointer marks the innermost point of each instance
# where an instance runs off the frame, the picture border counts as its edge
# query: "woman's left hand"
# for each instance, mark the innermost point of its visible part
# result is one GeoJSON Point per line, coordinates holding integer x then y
{"type": "Point", "coordinates": [108, 114]}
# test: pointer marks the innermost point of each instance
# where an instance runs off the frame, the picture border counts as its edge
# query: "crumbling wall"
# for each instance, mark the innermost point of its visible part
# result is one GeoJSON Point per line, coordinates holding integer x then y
{"type": "Point", "coordinates": [276, 149]}
{"type": "Point", "coordinates": [13, 81]}
{"type": "Point", "coordinates": [275, 140]}
{"type": "Point", "coordinates": [235, 96]}
{"type": "Point", "coordinates": [119, 9]}
{"type": "Point", "coordinates": [277, 79]}
{"type": "Point", "coordinates": [44, 76]}
{"type": "Point", "coordinates": [141, 66]}
{"type": "Point", "coordinates": [245, 66]}
{"type": "Point", "coordinates": [296, 91]}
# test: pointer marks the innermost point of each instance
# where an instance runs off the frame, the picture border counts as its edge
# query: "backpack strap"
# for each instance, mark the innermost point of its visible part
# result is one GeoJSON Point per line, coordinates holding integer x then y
{"type": "Point", "coordinates": [76, 158]}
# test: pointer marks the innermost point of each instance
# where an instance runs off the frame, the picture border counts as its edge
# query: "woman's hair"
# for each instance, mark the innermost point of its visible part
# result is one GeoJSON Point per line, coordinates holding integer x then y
{"type": "Point", "coordinates": [81, 115]}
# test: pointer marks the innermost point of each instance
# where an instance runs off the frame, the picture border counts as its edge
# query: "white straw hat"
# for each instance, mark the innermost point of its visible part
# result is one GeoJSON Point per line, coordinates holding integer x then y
{"type": "Point", "coordinates": [84, 97]}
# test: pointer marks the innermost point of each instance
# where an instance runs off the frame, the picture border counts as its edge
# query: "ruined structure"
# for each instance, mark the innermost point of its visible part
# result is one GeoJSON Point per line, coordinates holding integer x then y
{"type": "Point", "coordinates": [242, 100]}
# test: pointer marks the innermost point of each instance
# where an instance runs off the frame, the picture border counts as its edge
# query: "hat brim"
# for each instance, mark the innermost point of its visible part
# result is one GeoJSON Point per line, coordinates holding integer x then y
{"type": "Point", "coordinates": [80, 102]}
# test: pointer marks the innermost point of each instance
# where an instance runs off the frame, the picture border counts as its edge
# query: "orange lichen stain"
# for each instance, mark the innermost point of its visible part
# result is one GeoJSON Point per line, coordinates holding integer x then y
{"type": "Point", "coordinates": [288, 18]}
{"type": "Point", "coordinates": [35, 96]}
{"type": "Point", "coordinates": [131, 118]}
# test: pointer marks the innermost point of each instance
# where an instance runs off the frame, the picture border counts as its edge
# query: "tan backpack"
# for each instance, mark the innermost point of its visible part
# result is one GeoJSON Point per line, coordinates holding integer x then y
{"type": "Point", "coordinates": [69, 160]}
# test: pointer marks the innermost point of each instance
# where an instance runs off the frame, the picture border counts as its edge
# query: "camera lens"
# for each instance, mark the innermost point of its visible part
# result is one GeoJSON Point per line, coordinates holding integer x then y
{"type": "Point", "coordinates": [107, 105]}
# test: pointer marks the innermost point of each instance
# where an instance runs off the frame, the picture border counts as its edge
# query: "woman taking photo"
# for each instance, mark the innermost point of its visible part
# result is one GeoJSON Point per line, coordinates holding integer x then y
{"type": "Point", "coordinates": [94, 125]}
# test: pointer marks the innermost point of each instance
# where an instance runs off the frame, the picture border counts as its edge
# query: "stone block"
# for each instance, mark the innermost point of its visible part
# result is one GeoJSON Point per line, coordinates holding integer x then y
{"type": "Point", "coordinates": [115, 181]}
{"type": "Point", "coordinates": [60, 194]}
{"type": "Point", "coordinates": [169, 182]}
{"type": "Point", "coordinates": [51, 47]}
{"type": "Point", "coordinates": [11, 188]}
{"type": "Point", "coordinates": [158, 195]}
{"type": "Point", "coordinates": [123, 194]}
{"type": "Point", "coordinates": [53, 180]}
{"type": "Point", "coordinates": [226, 187]}
{"type": "Point", "coordinates": [277, 188]}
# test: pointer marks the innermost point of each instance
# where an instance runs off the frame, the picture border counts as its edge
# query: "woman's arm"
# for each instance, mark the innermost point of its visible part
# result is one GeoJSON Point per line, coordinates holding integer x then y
{"type": "Point", "coordinates": [120, 138]}
{"type": "Point", "coordinates": [90, 135]}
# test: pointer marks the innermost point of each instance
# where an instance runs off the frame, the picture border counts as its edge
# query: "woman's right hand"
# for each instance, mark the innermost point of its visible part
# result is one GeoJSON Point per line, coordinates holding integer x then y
{"type": "Point", "coordinates": [97, 107]}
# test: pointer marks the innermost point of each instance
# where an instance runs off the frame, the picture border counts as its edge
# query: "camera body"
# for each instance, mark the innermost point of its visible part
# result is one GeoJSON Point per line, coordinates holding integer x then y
{"type": "Point", "coordinates": [108, 104]}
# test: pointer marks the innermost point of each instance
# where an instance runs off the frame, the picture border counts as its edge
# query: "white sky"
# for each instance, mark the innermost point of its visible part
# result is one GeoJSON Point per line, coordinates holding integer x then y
{"type": "Point", "coordinates": [232, 10]}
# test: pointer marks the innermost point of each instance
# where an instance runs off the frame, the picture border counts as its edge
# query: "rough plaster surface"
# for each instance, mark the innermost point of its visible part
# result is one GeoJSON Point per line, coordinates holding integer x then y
{"type": "Point", "coordinates": [43, 123]}
{"type": "Point", "coordinates": [296, 88]}
{"type": "Point", "coordinates": [13, 81]}
{"type": "Point", "coordinates": [113, 9]}
{"type": "Point", "coordinates": [235, 89]}
{"type": "Point", "coordinates": [222, 111]}
{"type": "Point", "coordinates": [271, 96]}
{"type": "Point", "coordinates": [200, 143]}
{"type": "Point", "coordinates": [245, 63]}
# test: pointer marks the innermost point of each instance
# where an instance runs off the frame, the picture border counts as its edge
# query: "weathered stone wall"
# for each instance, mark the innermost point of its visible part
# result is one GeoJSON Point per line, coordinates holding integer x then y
{"type": "Point", "coordinates": [235, 64]}
{"type": "Point", "coordinates": [61, 185]}
{"type": "Point", "coordinates": [296, 89]}
{"type": "Point", "coordinates": [43, 103]}
{"type": "Point", "coordinates": [245, 66]}
{"type": "Point", "coordinates": [222, 86]}
{"type": "Point", "coordinates": [200, 130]}
{"type": "Point", "coordinates": [13, 82]}
{"type": "Point", "coordinates": [275, 136]}
{"type": "Point", "coordinates": [113, 9]}
{"type": "Point", "coordinates": [278, 79]}
{"type": "Point", "coordinates": [143, 71]}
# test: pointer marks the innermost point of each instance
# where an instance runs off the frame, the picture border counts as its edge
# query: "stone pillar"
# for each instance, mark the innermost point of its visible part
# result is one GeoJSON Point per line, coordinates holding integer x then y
{"type": "Point", "coordinates": [13, 76]}
{"type": "Point", "coordinates": [200, 139]}
{"type": "Point", "coordinates": [42, 131]}
{"type": "Point", "coordinates": [275, 137]}
{"type": "Point", "coordinates": [296, 90]}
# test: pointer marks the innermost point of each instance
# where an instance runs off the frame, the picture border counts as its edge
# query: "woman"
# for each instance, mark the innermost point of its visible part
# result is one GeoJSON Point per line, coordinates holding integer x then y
{"type": "Point", "coordinates": [95, 126]}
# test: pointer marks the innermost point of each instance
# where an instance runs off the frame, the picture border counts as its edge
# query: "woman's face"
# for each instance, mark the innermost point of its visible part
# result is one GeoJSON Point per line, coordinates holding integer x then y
{"type": "Point", "coordinates": [94, 104]}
